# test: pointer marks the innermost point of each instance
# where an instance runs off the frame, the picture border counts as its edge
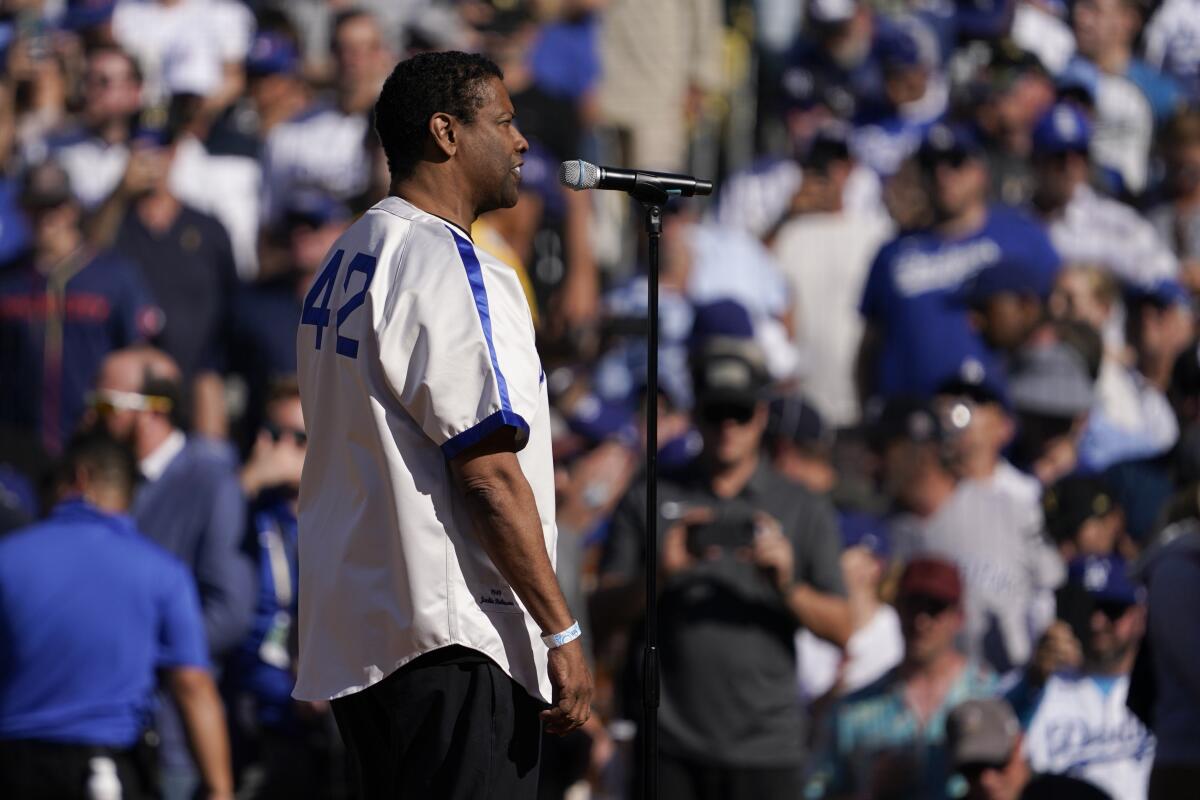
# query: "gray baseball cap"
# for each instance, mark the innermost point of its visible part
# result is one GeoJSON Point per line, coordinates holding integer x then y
{"type": "Point", "coordinates": [1051, 380]}
{"type": "Point", "coordinates": [981, 732]}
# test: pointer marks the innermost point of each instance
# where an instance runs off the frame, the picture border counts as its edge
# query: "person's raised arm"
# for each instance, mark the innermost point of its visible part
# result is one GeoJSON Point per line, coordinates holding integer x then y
{"type": "Point", "coordinates": [504, 512]}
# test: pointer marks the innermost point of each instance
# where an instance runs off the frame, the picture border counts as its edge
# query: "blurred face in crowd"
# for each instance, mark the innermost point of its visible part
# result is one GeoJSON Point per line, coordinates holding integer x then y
{"type": "Point", "coordinates": [906, 85]}
{"type": "Point", "coordinates": [1098, 535]}
{"type": "Point", "coordinates": [285, 423]}
{"type": "Point", "coordinates": [905, 465]}
{"type": "Point", "coordinates": [977, 428]}
{"type": "Point", "coordinates": [1183, 173]}
{"type": "Point", "coordinates": [359, 52]}
{"type": "Point", "coordinates": [127, 413]}
{"type": "Point", "coordinates": [1162, 331]}
{"type": "Point", "coordinates": [929, 625]}
{"type": "Point", "coordinates": [1057, 177]}
{"type": "Point", "coordinates": [1019, 108]}
{"type": "Point", "coordinates": [957, 186]}
{"type": "Point", "coordinates": [1084, 294]}
{"type": "Point", "coordinates": [732, 432]}
{"type": "Point", "coordinates": [1006, 319]}
{"type": "Point", "coordinates": [1115, 630]}
{"type": "Point", "coordinates": [848, 43]}
{"type": "Point", "coordinates": [997, 781]}
{"type": "Point", "coordinates": [309, 244]}
{"type": "Point", "coordinates": [491, 149]}
{"type": "Point", "coordinates": [111, 89]}
{"type": "Point", "coordinates": [1103, 25]}
{"type": "Point", "coordinates": [805, 466]}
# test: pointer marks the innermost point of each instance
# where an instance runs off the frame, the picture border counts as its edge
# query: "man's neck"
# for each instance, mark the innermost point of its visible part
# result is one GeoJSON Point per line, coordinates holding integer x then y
{"type": "Point", "coordinates": [113, 131]}
{"type": "Point", "coordinates": [728, 480]}
{"type": "Point", "coordinates": [287, 107]}
{"type": "Point", "coordinates": [943, 667]}
{"type": "Point", "coordinates": [963, 224]}
{"type": "Point", "coordinates": [1114, 60]}
{"type": "Point", "coordinates": [426, 192]}
{"type": "Point", "coordinates": [146, 446]}
{"type": "Point", "coordinates": [980, 465]}
{"type": "Point", "coordinates": [55, 252]}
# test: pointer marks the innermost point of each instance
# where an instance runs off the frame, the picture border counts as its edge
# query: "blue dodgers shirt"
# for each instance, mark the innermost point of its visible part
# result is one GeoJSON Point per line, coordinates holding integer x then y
{"type": "Point", "coordinates": [913, 296]}
{"type": "Point", "coordinates": [89, 610]}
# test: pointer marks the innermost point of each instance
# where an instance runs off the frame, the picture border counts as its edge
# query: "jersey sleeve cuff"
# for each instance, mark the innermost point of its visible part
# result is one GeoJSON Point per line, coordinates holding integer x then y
{"type": "Point", "coordinates": [481, 430]}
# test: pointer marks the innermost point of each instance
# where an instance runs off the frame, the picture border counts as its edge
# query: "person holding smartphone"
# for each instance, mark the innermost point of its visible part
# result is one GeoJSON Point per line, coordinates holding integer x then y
{"type": "Point", "coordinates": [748, 557]}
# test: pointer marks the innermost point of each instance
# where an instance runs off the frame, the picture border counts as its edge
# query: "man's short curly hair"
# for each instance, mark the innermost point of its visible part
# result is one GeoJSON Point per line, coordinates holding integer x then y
{"type": "Point", "coordinates": [419, 87]}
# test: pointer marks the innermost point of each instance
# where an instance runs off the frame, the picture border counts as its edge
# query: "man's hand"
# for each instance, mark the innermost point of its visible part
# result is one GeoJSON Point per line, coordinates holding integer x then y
{"type": "Point", "coordinates": [272, 463]}
{"type": "Point", "coordinates": [572, 684]}
{"type": "Point", "coordinates": [1057, 650]}
{"type": "Point", "coordinates": [773, 552]}
{"type": "Point", "coordinates": [676, 557]}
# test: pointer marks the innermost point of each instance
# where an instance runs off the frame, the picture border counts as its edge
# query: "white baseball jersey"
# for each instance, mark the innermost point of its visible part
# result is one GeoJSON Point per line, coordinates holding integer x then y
{"type": "Point", "coordinates": [1086, 733]}
{"type": "Point", "coordinates": [413, 345]}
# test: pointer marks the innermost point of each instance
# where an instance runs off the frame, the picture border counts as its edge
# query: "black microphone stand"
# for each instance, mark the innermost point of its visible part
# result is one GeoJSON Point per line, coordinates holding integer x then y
{"type": "Point", "coordinates": [653, 198]}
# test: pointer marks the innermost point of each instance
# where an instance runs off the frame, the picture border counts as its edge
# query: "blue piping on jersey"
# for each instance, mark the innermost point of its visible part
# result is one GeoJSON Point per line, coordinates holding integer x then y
{"type": "Point", "coordinates": [475, 278]}
{"type": "Point", "coordinates": [481, 430]}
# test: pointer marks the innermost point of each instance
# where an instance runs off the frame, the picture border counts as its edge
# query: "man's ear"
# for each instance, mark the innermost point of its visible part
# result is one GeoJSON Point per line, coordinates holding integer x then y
{"type": "Point", "coordinates": [443, 130]}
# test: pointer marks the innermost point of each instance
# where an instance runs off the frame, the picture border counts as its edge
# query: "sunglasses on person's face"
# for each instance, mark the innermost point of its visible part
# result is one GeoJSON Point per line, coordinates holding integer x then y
{"type": "Point", "coordinates": [1112, 610]}
{"type": "Point", "coordinates": [277, 432]}
{"type": "Point", "coordinates": [718, 413]}
{"type": "Point", "coordinates": [974, 771]}
{"type": "Point", "coordinates": [108, 401]}
{"type": "Point", "coordinates": [923, 604]}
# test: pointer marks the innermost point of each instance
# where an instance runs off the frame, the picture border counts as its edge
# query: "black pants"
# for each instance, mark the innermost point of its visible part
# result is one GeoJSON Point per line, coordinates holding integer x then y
{"type": "Point", "coordinates": [448, 725]}
{"type": "Point", "coordinates": [32, 770]}
{"type": "Point", "coordinates": [680, 779]}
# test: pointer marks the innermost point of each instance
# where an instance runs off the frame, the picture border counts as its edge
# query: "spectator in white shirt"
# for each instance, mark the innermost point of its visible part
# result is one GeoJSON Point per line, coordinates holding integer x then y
{"type": "Point", "coordinates": [1086, 227]}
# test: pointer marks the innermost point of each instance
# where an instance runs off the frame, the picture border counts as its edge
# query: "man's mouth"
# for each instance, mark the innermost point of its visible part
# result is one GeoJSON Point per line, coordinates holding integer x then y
{"type": "Point", "coordinates": [516, 171]}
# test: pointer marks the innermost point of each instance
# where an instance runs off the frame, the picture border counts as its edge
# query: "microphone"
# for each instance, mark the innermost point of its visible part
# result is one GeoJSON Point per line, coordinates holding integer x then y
{"type": "Point", "coordinates": [579, 175]}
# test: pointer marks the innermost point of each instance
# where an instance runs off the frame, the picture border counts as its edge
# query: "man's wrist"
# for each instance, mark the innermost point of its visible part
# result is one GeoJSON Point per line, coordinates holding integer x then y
{"type": "Point", "coordinates": [556, 640]}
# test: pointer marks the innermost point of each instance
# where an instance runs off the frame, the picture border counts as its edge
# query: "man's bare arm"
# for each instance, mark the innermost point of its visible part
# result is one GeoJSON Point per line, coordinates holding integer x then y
{"type": "Point", "coordinates": [505, 514]}
{"type": "Point", "coordinates": [204, 722]}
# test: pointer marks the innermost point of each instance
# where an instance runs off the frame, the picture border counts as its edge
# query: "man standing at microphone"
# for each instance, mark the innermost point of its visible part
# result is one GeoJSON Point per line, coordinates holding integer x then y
{"type": "Point", "coordinates": [429, 609]}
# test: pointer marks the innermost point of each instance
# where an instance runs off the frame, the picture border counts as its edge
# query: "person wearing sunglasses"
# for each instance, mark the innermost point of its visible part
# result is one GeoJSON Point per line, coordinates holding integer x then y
{"type": "Point", "coordinates": [1077, 720]}
{"type": "Point", "coordinates": [748, 558]}
{"type": "Point", "coordinates": [888, 739]}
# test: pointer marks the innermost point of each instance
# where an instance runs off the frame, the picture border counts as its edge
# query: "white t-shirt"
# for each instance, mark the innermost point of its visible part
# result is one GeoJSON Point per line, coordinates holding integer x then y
{"type": "Point", "coordinates": [1084, 732]}
{"type": "Point", "coordinates": [413, 345]}
{"type": "Point", "coordinates": [825, 258]}
{"type": "Point", "coordinates": [873, 650]}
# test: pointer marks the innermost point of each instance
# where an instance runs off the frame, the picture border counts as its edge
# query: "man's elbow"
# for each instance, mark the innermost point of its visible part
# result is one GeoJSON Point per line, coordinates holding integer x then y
{"type": "Point", "coordinates": [190, 684]}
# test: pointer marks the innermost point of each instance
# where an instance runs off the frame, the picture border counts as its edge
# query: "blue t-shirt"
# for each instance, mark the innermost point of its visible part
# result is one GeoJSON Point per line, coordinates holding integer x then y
{"type": "Point", "coordinates": [913, 296]}
{"type": "Point", "coordinates": [89, 610]}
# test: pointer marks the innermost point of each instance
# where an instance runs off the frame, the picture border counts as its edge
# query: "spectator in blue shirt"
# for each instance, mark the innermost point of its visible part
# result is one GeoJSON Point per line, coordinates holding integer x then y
{"type": "Point", "coordinates": [190, 503]}
{"type": "Point", "coordinates": [288, 740]}
{"type": "Point", "coordinates": [90, 612]}
{"type": "Point", "coordinates": [62, 310]}
{"type": "Point", "coordinates": [918, 334]}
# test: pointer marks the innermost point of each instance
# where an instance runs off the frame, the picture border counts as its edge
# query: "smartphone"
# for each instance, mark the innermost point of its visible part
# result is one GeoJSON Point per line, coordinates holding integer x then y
{"type": "Point", "coordinates": [731, 530]}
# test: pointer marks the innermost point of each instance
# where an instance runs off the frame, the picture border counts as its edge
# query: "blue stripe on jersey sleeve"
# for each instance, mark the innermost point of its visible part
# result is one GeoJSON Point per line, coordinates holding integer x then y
{"type": "Point", "coordinates": [481, 430]}
{"type": "Point", "coordinates": [475, 277]}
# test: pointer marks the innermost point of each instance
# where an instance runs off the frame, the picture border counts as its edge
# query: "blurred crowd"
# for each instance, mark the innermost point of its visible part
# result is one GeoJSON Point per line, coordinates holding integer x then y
{"type": "Point", "coordinates": [928, 411]}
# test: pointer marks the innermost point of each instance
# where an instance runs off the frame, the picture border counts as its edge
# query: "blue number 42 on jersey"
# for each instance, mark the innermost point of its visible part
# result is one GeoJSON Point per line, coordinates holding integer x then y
{"type": "Point", "coordinates": [322, 290]}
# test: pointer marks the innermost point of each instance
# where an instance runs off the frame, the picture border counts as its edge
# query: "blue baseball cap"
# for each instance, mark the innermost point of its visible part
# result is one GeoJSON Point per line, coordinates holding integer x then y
{"type": "Point", "coordinates": [1105, 578]}
{"type": "Point", "coordinates": [976, 382]}
{"type": "Point", "coordinates": [1079, 79]}
{"type": "Point", "coordinates": [897, 49]}
{"type": "Point", "coordinates": [1062, 129]}
{"type": "Point", "coordinates": [721, 318]}
{"type": "Point", "coordinates": [599, 420]}
{"type": "Point", "coordinates": [314, 207]}
{"type": "Point", "coordinates": [83, 14]}
{"type": "Point", "coordinates": [947, 143]}
{"type": "Point", "coordinates": [1164, 292]}
{"type": "Point", "coordinates": [1008, 276]}
{"type": "Point", "coordinates": [272, 53]}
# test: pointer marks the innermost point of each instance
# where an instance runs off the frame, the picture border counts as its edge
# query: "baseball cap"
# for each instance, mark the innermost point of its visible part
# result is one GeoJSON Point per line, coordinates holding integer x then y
{"type": "Point", "coordinates": [721, 318]}
{"type": "Point", "coordinates": [1073, 501]}
{"type": "Point", "coordinates": [599, 420]}
{"type": "Point", "coordinates": [313, 207]}
{"type": "Point", "coordinates": [976, 382]}
{"type": "Point", "coordinates": [794, 420]}
{"type": "Point", "coordinates": [729, 372]}
{"type": "Point", "coordinates": [272, 53]}
{"type": "Point", "coordinates": [952, 144]}
{"type": "Point", "coordinates": [83, 14]}
{"type": "Point", "coordinates": [1079, 81]}
{"type": "Point", "coordinates": [1008, 276]}
{"type": "Point", "coordinates": [931, 577]}
{"type": "Point", "coordinates": [1051, 380]}
{"type": "Point", "coordinates": [830, 143]}
{"type": "Point", "coordinates": [981, 732]}
{"type": "Point", "coordinates": [1164, 292]}
{"type": "Point", "coordinates": [1105, 578]}
{"type": "Point", "coordinates": [902, 417]}
{"type": "Point", "coordinates": [1062, 129]}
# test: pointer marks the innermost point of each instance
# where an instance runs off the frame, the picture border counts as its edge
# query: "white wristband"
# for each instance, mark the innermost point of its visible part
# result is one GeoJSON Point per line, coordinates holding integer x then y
{"type": "Point", "coordinates": [559, 639]}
